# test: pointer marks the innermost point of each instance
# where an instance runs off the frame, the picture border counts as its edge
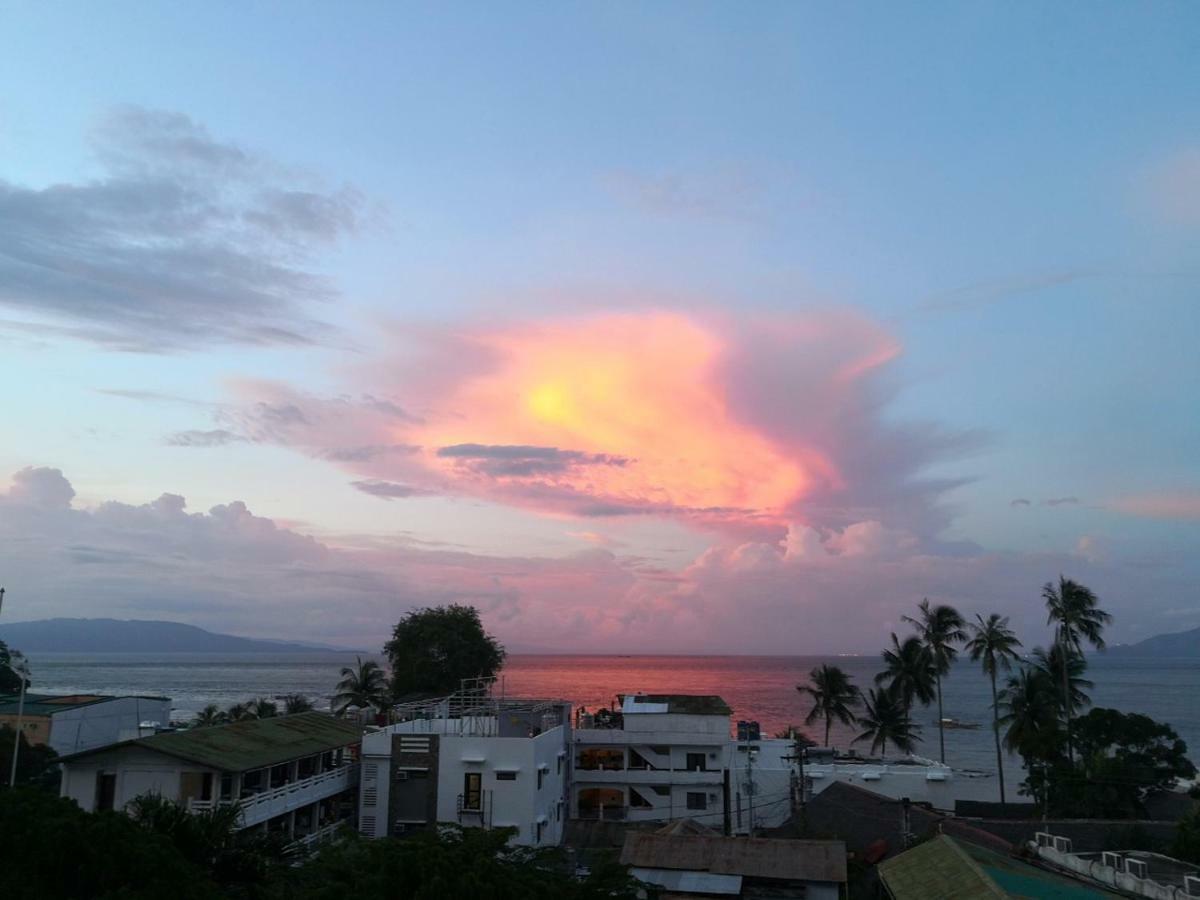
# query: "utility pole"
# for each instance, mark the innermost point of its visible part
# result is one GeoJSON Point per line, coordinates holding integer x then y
{"type": "Point", "coordinates": [12, 773]}
{"type": "Point", "coordinates": [750, 788]}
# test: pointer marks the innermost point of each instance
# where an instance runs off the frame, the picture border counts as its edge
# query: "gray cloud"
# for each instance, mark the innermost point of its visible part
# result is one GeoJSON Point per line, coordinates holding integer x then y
{"type": "Point", "coordinates": [1020, 501]}
{"type": "Point", "coordinates": [218, 437]}
{"type": "Point", "coordinates": [522, 461]}
{"type": "Point", "coordinates": [182, 241]}
{"type": "Point", "coordinates": [1061, 501]}
{"type": "Point", "coordinates": [390, 490]}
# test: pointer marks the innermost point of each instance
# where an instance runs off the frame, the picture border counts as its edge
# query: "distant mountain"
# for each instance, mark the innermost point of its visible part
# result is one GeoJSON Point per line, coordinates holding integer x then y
{"type": "Point", "coordinates": [135, 636]}
{"type": "Point", "coordinates": [1182, 643]}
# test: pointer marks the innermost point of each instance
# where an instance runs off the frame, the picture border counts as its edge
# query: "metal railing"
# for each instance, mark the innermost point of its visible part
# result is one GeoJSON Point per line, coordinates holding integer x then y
{"type": "Point", "coordinates": [267, 804]}
{"type": "Point", "coordinates": [322, 835]}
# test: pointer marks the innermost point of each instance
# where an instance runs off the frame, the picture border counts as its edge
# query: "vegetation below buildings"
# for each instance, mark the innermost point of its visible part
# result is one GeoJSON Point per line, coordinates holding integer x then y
{"type": "Point", "coordinates": [52, 850]}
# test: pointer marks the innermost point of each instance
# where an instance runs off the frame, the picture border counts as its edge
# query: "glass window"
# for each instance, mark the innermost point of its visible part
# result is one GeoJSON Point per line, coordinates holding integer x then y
{"type": "Point", "coordinates": [696, 800]}
{"type": "Point", "coordinates": [506, 776]}
{"type": "Point", "coordinates": [473, 791]}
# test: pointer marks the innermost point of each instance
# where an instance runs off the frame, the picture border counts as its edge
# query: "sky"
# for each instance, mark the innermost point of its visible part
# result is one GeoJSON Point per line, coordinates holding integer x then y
{"type": "Point", "coordinates": [674, 327]}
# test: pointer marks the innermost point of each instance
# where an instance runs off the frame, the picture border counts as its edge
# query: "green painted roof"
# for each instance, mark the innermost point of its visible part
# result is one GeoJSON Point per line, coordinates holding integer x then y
{"type": "Point", "coordinates": [47, 704]}
{"type": "Point", "coordinates": [945, 869]}
{"type": "Point", "coordinates": [252, 744]}
{"type": "Point", "coordinates": [937, 870]}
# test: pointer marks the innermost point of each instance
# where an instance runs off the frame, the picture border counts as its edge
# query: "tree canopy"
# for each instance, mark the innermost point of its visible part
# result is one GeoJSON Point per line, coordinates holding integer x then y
{"type": "Point", "coordinates": [10, 681]}
{"type": "Point", "coordinates": [433, 650]}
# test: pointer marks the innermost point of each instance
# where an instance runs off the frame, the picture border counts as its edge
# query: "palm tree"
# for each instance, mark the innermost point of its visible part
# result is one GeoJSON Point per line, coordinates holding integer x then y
{"type": "Point", "coordinates": [296, 703]}
{"type": "Point", "coordinates": [909, 672]}
{"type": "Point", "coordinates": [1051, 662]}
{"type": "Point", "coordinates": [264, 708]}
{"type": "Point", "coordinates": [1073, 611]}
{"type": "Point", "coordinates": [995, 645]}
{"type": "Point", "coordinates": [209, 716]}
{"type": "Point", "coordinates": [1030, 710]}
{"type": "Point", "coordinates": [241, 712]}
{"type": "Point", "coordinates": [832, 695]}
{"type": "Point", "coordinates": [939, 628]}
{"type": "Point", "coordinates": [887, 722]}
{"type": "Point", "coordinates": [363, 685]}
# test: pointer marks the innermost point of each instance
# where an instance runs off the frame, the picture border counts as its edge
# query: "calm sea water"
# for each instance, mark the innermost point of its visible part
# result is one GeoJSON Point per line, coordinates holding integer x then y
{"type": "Point", "coordinates": [762, 688]}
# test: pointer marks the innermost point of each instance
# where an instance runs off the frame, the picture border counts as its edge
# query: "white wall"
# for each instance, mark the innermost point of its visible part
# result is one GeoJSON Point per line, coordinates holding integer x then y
{"type": "Point", "coordinates": [677, 722]}
{"type": "Point", "coordinates": [138, 772]}
{"type": "Point", "coordinates": [98, 724]}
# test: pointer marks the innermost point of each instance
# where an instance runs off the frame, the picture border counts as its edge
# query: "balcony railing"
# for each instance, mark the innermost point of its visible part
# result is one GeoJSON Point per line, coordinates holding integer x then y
{"type": "Point", "coordinates": [322, 835]}
{"type": "Point", "coordinates": [259, 807]}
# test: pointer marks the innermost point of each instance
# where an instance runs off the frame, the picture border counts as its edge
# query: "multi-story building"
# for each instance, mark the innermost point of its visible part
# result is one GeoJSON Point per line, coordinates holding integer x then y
{"type": "Point", "coordinates": [70, 723]}
{"type": "Point", "coordinates": [470, 759]}
{"type": "Point", "coordinates": [654, 757]}
{"type": "Point", "coordinates": [293, 774]}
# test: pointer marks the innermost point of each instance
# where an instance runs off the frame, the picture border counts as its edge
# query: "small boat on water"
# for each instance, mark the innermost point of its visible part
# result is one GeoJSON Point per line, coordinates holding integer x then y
{"type": "Point", "coordinates": [955, 723]}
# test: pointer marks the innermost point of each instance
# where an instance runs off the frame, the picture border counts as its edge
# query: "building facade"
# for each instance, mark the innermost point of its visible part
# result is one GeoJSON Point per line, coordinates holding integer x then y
{"type": "Point", "coordinates": [655, 757]}
{"type": "Point", "coordinates": [71, 723]}
{"type": "Point", "coordinates": [471, 760]}
{"type": "Point", "coordinates": [296, 775]}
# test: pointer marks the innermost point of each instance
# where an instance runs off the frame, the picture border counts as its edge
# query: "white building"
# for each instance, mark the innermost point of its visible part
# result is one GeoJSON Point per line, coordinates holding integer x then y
{"type": "Point", "coordinates": [472, 760]}
{"type": "Point", "coordinates": [657, 757]}
{"type": "Point", "coordinates": [70, 723]}
{"type": "Point", "coordinates": [296, 774]}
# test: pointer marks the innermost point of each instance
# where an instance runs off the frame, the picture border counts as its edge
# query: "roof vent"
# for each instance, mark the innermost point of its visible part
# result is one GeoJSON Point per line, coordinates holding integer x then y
{"type": "Point", "coordinates": [1136, 867]}
{"type": "Point", "coordinates": [1062, 844]}
{"type": "Point", "coordinates": [1112, 860]}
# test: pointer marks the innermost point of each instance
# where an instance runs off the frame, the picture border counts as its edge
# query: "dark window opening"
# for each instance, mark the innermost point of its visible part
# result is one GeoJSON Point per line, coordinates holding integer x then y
{"type": "Point", "coordinates": [695, 762]}
{"type": "Point", "coordinates": [472, 790]}
{"type": "Point", "coordinates": [506, 776]}
{"type": "Point", "coordinates": [697, 800]}
{"type": "Point", "coordinates": [106, 790]}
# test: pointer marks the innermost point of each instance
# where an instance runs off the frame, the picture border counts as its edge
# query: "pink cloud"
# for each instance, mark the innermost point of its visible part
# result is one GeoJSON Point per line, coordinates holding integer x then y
{"type": "Point", "coordinates": [741, 425]}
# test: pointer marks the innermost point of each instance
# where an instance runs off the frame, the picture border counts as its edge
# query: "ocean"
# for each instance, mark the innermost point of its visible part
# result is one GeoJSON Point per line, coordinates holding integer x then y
{"type": "Point", "coordinates": [761, 688]}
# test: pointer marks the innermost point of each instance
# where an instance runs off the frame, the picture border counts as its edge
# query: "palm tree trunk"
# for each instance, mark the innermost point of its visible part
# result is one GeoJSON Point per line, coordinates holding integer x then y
{"type": "Point", "coordinates": [941, 724]}
{"type": "Point", "coordinates": [1067, 699]}
{"type": "Point", "coordinates": [827, 724]}
{"type": "Point", "coordinates": [996, 734]}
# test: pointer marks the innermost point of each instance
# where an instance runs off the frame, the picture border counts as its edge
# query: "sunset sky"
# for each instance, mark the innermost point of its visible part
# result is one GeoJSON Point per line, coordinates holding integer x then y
{"type": "Point", "coordinates": [672, 327]}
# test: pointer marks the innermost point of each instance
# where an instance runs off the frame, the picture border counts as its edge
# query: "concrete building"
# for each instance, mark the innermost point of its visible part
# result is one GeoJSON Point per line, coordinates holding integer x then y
{"type": "Point", "coordinates": [655, 757]}
{"type": "Point", "coordinates": [71, 723]}
{"type": "Point", "coordinates": [470, 759]}
{"type": "Point", "coordinates": [293, 774]}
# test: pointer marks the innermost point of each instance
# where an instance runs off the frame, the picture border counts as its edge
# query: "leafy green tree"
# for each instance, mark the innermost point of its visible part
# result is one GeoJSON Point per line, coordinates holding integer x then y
{"type": "Point", "coordinates": [240, 712]}
{"type": "Point", "coordinates": [363, 685]}
{"type": "Point", "coordinates": [433, 650]}
{"type": "Point", "coordinates": [994, 645]}
{"type": "Point", "coordinates": [37, 764]}
{"type": "Point", "coordinates": [10, 681]}
{"type": "Point", "coordinates": [264, 708]}
{"type": "Point", "coordinates": [833, 696]}
{"type": "Point", "coordinates": [886, 721]}
{"type": "Point", "coordinates": [209, 716]}
{"type": "Point", "coordinates": [909, 672]}
{"type": "Point", "coordinates": [1029, 711]}
{"type": "Point", "coordinates": [1077, 618]}
{"type": "Point", "coordinates": [450, 862]}
{"type": "Point", "coordinates": [296, 703]}
{"type": "Point", "coordinates": [939, 628]}
{"type": "Point", "coordinates": [1187, 838]}
{"type": "Point", "coordinates": [53, 850]}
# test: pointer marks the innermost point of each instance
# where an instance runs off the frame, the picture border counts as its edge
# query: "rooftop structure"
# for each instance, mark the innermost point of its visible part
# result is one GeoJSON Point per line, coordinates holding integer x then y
{"type": "Point", "coordinates": [945, 869]}
{"type": "Point", "coordinates": [295, 774]}
{"type": "Point", "coordinates": [696, 860]}
{"type": "Point", "coordinates": [1131, 872]}
{"type": "Point", "coordinates": [69, 723]}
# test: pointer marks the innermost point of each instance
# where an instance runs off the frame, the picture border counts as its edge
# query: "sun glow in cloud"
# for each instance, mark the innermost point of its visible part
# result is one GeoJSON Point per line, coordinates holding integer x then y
{"type": "Point", "coordinates": [642, 396]}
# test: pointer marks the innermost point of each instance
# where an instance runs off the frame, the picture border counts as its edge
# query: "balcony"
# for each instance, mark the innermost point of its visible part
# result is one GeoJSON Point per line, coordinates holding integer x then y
{"type": "Point", "coordinates": [259, 807]}
{"type": "Point", "coordinates": [649, 776]}
{"type": "Point", "coordinates": [322, 835]}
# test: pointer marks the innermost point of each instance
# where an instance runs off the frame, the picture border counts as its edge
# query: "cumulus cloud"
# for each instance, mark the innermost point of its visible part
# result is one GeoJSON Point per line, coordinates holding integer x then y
{"type": "Point", "coordinates": [183, 240]}
{"type": "Point", "coordinates": [740, 425]}
{"type": "Point", "coordinates": [232, 569]}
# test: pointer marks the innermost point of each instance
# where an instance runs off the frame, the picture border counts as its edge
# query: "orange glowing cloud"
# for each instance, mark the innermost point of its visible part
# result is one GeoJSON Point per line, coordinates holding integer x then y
{"type": "Point", "coordinates": [750, 423]}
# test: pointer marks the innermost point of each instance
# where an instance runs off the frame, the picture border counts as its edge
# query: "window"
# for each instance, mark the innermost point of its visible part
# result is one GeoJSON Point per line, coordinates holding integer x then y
{"type": "Point", "coordinates": [558, 771]}
{"type": "Point", "coordinates": [473, 791]}
{"type": "Point", "coordinates": [695, 762]}
{"type": "Point", "coordinates": [541, 827]}
{"type": "Point", "coordinates": [541, 778]}
{"type": "Point", "coordinates": [226, 787]}
{"type": "Point", "coordinates": [106, 790]}
{"type": "Point", "coordinates": [507, 776]}
{"type": "Point", "coordinates": [696, 800]}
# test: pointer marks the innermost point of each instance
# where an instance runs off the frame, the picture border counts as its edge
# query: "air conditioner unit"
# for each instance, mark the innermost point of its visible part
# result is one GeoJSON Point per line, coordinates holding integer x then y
{"type": "Point", "coordinates": [1191, 884]}
{"type": "Point", "coordinates": [1136, 867]}
{"type": "Point", "coordinates": [1112, 860]}
{"type": "Point", "coordinates": [1044, 839]}
{"type": "Point", "coordinates": [1062, 844]}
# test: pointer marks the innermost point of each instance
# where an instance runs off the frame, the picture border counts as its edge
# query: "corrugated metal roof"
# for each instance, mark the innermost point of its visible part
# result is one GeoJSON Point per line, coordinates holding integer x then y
{"type": "Point", "coordinates": [47, 704]}
{"type": "Point", "coordinates": [751, 857]}
{"type": "Point", "coordinates": [253, 744]}
{"type": "Point", "coordinates": [937, 870]}
{"type": "Point", "coordinates": [690, 882]}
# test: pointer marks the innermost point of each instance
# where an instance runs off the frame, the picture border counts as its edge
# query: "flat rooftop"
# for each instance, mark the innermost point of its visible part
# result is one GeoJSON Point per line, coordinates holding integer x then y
{"type": "Point", "coordinates": [48, 704]}
{"type": "Point", "coordinates": [681, 704]}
